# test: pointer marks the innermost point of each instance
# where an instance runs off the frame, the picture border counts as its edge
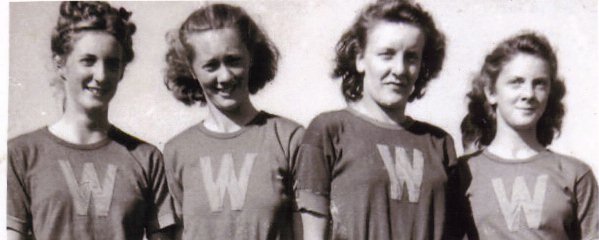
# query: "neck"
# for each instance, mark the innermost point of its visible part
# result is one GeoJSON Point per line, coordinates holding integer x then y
{"type": "Point", "coordinates": [82, 127]}
{"type": "Point", "coordinates": [513, 143]}
{"type": "Point", "coordinates": [229, 121]}
{"type": "Point", "coordinates": [385, 115]}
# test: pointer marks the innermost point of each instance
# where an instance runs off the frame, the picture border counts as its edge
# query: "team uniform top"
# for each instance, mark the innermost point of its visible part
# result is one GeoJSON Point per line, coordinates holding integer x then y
{"type": "Point", "coordinates": [113, 189]}
{"type": "Point", "coordinates": [377, 181]}
{"type": "Point", "coordinates": [235, 185]}
{"type": "Point", "coordinates": [547, 196]}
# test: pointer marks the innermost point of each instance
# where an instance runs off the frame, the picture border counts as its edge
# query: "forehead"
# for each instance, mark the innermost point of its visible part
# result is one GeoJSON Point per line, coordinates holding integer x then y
{"type": "Point", "coordinates": [216, 41]}
{"type": "Point", "coordinates": [400, 34]}
{"type": "Point", "coordinates": [526, 64]}
{"type": "Point", "coordinates": [95, 42]}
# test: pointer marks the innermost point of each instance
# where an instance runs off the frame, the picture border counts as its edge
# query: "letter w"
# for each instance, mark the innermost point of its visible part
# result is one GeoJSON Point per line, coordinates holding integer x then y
{"type": "Point", "coordinates": [402, 172]}
{"type": "Point", "coordinates": [227, 181]}
{"type": "Point", "coordinates": [532, 207]}
{"type": "Point", "coordinates": [89, 186]}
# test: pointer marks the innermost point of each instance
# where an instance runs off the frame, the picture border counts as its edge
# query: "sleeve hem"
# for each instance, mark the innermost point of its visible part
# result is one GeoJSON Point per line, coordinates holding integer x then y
{"type": "Point", "coordinates": [164, 221]}
{"type": "Point", "coordinates": [17, 224]}
{"type": "Point", "coordinates": [313, 202]}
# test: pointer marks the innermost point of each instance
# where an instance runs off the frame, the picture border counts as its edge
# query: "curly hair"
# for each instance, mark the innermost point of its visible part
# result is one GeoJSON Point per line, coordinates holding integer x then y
{"type": "Point", "coordinates": [480, 124]}
{"type": "Point", "coordinates": [353, 42]}
{"type": "Point", "coordinates": [179, 77]}
{"type": "Point", "coordinates": [78, 16]}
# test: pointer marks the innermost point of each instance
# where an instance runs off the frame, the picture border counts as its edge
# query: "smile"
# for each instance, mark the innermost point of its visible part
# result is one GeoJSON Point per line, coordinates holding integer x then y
{"type": "Point", "coordinates": [226, 89]}
{"type": "Point", "coordinates": [97, 91]}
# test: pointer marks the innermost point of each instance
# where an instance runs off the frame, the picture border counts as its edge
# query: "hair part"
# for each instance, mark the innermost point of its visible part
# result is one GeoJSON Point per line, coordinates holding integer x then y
{"type": "Point", "coordinates": [180, 79]}
{"type": "Point", "coordinates": [480, 124]}
{"type": "Point", "coordinates": [353, 42]}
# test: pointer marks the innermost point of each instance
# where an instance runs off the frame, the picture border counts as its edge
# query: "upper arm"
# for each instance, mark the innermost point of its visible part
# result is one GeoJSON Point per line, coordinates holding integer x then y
{"type": "Point", "coordinates": [587, 207]}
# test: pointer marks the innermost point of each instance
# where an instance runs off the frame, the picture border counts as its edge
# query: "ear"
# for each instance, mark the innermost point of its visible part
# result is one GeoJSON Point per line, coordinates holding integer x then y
{"type": "Point", "coordinates": [360, 62]}
{"type": "Point", "coordinates": [490, 94]}
{"type": "Point", "coordinates": [58, 64]}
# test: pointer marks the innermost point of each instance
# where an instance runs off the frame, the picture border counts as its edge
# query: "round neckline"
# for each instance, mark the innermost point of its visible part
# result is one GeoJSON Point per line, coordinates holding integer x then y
{"type": "Point", "coordinates": [91, 146]}
{"type": "Point", "coordinates": [498, 158]}
{"type": "Point", "coordinates": [226, 135]}
{"type": "Point", "coordinates": [403, 126]}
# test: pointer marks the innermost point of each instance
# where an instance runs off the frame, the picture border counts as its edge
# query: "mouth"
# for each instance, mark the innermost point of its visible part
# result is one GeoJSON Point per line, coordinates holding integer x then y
{"type": "Point", "coordinates": [226, 89]}
{"type": "Point", "coordinates": [97, 91]}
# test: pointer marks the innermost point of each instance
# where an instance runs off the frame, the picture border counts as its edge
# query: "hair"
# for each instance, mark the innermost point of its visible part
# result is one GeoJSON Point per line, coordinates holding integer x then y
{"type": "Point", "coordinates": [353, 42]}
{"type": "Point", "coordinates": [76, 17]}
{"type": "Point", "coordinates": [480, 124]}
{"type": "Point", "coordinates": [179, 77]}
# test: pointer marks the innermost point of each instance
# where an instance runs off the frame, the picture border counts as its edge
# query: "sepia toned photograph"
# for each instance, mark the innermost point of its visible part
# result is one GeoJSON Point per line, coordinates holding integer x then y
{"type": "Point", "coordinates": [289, 119]}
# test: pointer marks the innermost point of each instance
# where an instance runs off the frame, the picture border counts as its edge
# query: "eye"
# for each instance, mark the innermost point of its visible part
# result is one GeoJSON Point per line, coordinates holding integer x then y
{"type": "Point", "coordinates": [516, 82]}
{"type": "Point", "coordinates": [88, 61]}
{"type": "Point", "coordinates": [233, 61]}
{"type": "Point", "coordinates": [211, 66]}
{"type": "Point", "coordinates": [412, 57]}
{"type": "Point", "coordinates": [386, 54]}
{"type": "Point", "coordinates": [540, 83]}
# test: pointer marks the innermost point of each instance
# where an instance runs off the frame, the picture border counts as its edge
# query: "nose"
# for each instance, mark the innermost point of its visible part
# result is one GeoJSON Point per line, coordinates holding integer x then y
{"type": "Point", "coordinates": [527, 91]}
{"type": "Point", "coordinates": [225, 75]}
{"type": "Point", "coordinates": [399, 66]}
{"type": "Point", "coordinates": [99, 72]}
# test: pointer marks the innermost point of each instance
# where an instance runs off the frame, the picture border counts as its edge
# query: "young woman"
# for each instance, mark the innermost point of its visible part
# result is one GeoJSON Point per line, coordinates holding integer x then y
{"type": "Point", "coordinates": [231, 174]}
{"type": "Point", "coordinates": [514, 187]}
{"type": "Point", "coordinates": [370, 171]}
{"type": "Point", "coordinates": [81, 177]}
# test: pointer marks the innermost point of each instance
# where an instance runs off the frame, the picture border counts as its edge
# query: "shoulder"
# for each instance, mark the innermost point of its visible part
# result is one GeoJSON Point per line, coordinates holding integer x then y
{"type": "Point", "coordinates": [278, 122]}
{"type": "Point", "coordinates": [182, 138]}
{"type": "Point", "coordinates": [331, 120]}
{"type": "Point", "coordinates": [145, 153]}
{"type": "Point", "coordinates": [569, 165]}
{"type": "Point", "coordinates": [420, 127]}
{"type": "Point", "coordinates": [32, 139]}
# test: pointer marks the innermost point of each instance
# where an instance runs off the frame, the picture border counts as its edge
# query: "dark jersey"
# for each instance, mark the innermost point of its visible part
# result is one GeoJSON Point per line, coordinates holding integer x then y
{"type": "Point", "coordinates": [376, 181]}
{"type": "Point", "coordinates": [114, 189]}
{"type": "Point", "coordinates": [547, 196]}
{"type": "Point", "coordinates": [235, 185]}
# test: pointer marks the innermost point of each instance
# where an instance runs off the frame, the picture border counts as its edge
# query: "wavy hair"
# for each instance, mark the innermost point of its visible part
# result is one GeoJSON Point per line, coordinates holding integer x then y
{"type": "Point", "coordinates": [179, 77]}
{"type": "Point", "coordinates": [480, 124]}
{"type": "Point", "coordinates": [353, 42]}
{"type": "Point", "coordinates": [79, 16]}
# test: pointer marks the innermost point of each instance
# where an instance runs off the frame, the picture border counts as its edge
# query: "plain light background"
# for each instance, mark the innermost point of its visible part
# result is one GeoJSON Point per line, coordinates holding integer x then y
{"type": "Point", "coordinates": [306, 31]}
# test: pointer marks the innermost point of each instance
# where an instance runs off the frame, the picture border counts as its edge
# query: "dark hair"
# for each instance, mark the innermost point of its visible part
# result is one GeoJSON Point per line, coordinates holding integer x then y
{"type": "Point", "coordinates": [179, 77]}
{"type": "Point", "coordinates": [77, 16]}
{"type": "Point", "coordinates": [480, 124]}
{"type": "Point", "coordinates": [353, 42]}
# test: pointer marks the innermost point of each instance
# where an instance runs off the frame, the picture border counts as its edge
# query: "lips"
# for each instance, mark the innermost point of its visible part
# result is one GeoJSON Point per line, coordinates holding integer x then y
{"type": "Point", "coordinates": [97, 91]}
{"type": "Point", "coordinates": [225, 89]}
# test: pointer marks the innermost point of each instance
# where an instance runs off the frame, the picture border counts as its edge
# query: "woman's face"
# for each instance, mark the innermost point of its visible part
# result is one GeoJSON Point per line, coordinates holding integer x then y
{"type": "Point", "coordinates": [391, 63]}
{"type": "Point", "coordinates": [92, 71]}
{"type": "Point", "coordinates": [521, 91]}
{"type": "Point", "coordinates": [221, 64]}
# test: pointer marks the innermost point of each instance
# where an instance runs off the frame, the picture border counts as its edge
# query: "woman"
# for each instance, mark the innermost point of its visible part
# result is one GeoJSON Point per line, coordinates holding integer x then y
{"type": "Point", "coordinates": [81, 177]}
{"type": "Point", "coordinates": [230, 175]}
{"type": "Point", "coordinates": [370, 170]}
{"type": "Point", "coordinates": [514, 187]}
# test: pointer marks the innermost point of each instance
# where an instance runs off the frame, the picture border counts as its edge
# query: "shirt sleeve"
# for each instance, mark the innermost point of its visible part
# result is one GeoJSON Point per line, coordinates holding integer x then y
{"type": "Point", "coordinates": [315, 160]}
{"type": "Point", "coordinates": [19, 201]}
{"type": "Point", "coordinates": [587, 207]}
{"type": "Point", "coordinates": [459, 221]}
{"type": "Point", "coordinates": [161, 212]}
{"type": "Point", "coordinates": [173, 176]}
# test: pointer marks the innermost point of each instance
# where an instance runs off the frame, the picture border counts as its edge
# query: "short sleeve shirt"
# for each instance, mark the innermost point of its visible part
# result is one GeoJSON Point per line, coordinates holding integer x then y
{"type": "Point", "coordinates": [376, 181]}
{"type": "Point", "coordinates": [235, 185]}
{"type": "Point", "coordinates": [547, 196]}
{"type": "Point", "coordinates": [114, 189]}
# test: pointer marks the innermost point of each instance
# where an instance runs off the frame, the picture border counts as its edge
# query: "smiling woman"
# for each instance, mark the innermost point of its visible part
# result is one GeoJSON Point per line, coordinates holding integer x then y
{"type": "Point", "coordinates": [81, 177]}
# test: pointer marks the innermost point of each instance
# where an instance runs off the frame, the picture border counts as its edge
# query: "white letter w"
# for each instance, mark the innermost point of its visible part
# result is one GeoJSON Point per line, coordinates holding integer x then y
{"type": "Point", "coordinates": [532, 207]}
{"type": "Point", "coordinates": [227, 181]}
{"type": "Point", "coordinates": [401, 171]}
{"type": "Point", "coordinates": [89, 186]}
